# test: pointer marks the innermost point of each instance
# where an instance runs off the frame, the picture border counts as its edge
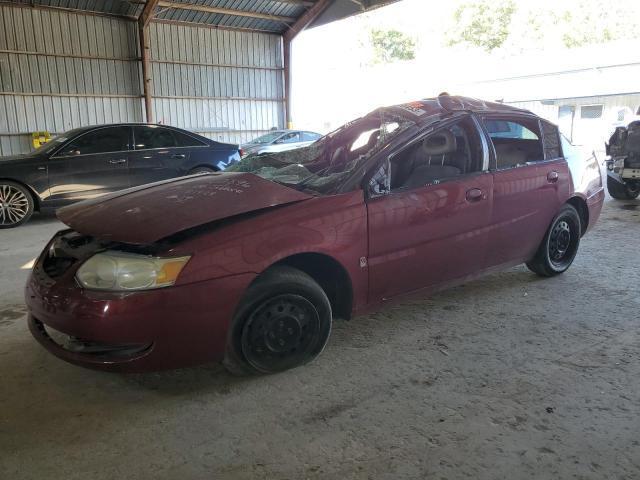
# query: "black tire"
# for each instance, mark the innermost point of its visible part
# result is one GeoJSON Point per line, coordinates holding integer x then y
{"type": "Point", "coordinates": [198, 170]}
{"type": "Point", "coordinates": [284, 321]}
{"type": "Point", "coordinates": [16, 204]}
{"type": "Point", "coordinates": [560, 244]}
{"type": "Point", "coordinates": [623, 191]}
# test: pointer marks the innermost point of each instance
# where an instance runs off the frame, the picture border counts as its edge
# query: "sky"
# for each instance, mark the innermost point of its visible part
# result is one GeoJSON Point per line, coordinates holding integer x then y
{"type": "Point", "coordinates": [334, 81]}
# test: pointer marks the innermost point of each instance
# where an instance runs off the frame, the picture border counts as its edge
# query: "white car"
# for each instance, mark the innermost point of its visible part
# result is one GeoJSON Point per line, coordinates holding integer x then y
{"type": "Point", "coordinates": [279, 141]}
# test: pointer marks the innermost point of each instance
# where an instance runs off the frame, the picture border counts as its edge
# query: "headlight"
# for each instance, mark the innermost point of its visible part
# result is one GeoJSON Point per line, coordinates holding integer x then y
{"type": "Point", "coordinates": [120, 271]}
{"type": "Point", "coordinates": [619, 163]}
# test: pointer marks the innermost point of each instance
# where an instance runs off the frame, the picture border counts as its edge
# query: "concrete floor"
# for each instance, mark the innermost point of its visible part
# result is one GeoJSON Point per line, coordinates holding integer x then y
{"type": "Point", "coordinates": [511, 376]}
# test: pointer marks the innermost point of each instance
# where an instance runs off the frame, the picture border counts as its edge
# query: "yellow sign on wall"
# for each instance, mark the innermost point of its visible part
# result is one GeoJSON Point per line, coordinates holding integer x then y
{"type": "Point", "coordinates": [40, 138]}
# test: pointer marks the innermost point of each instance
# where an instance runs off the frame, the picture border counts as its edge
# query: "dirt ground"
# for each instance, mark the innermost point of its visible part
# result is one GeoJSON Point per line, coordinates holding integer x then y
{"type": "Point", "coordinates": [510, 376]}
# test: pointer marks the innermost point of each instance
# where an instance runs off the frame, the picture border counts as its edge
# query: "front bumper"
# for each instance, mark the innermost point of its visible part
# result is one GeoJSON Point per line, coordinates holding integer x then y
{"type": "Point", "coordinates": [150, 330]}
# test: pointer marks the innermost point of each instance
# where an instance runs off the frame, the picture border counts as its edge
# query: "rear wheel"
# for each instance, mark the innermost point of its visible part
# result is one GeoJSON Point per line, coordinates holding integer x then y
{"type": "Point", "coordinates": [283, 322]}
{"type": "Point", "coordinates": [623, 191]}
{"type": "Point", "coordinates": [16, 204]}
{"type": "Point", "coordinates": [559, 246]}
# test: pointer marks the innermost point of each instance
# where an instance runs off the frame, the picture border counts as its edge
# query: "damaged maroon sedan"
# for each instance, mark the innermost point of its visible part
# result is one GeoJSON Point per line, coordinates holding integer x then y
{"type": "Point", "coordinates": [251, 266]}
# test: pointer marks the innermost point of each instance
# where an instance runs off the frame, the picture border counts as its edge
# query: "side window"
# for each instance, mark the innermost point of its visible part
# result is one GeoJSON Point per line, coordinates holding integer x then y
{"type": "Point", "coordinates": [442, 155]}
{"type": "Point", "coordinates": [550, 141]}
{"type": "Point", "coordinates": [310, 137]}
{"type": "Point", "coordinates": [290, 138]}
{"type": "Point", "coordinates": [184, 140]}
{"type": "Point", "coordinates": [102, 140]}
{"type": "Point", "coordinates": [516, 141]}
{"type": "Point", "coordinates": [153, 137]}
{"type": "Point", "coordinates": [591, 111]}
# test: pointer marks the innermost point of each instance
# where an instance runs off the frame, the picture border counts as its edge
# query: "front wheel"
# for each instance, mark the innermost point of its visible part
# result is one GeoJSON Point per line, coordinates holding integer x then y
{"type": "Point", "coordinates": [559, 246]}
{"type": "Point", "coordinates": [283, 322]}
{"type": "Point", "coordinates": [16, 204]}
{"type": "Point", "coordinates": [623, 191]}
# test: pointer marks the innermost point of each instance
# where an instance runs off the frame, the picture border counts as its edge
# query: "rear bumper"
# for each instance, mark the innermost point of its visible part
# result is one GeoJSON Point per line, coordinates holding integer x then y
{"type": "Point", "coordinates": [137, 332]}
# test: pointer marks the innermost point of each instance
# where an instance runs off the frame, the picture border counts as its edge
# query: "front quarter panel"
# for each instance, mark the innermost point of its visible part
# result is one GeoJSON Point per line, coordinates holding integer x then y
{"type": "Point", "coordinates": [332, 225]}
{"type": "Point", "coordinates": [29, 171]}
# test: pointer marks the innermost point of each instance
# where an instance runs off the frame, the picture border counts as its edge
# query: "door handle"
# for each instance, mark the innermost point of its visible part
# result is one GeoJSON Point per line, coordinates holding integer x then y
{"type": "Point", "coordinates": [552, 176]}
{"type": "Point", "coordinates": [475, 195]}
{"type": "Point", "coordinates": [115, 162]}
{"type": "Point", "coordinates": [179, 155]}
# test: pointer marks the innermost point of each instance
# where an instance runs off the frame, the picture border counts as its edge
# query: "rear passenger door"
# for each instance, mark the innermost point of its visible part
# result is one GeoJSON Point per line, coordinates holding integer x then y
{"type": "Point", "coordinates": [529, 182]}
{"type": "Point", "coordinates": [159, 153]}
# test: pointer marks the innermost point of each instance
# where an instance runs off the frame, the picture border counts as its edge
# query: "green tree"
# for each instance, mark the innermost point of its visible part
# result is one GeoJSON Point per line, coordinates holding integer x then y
{"type": "Point", "coordinates": [599, 21]}
{"type": "Point", "coordinates": [490, 24]}
{"type": "Point", "coordinates": [482, 24]}
{"type": "Point", "coordinates": [392, 45]}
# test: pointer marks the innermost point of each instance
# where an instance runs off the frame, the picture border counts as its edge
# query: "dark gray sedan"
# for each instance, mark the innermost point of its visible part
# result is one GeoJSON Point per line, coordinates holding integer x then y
{"type": "Point", "coordinates": [91, 161]}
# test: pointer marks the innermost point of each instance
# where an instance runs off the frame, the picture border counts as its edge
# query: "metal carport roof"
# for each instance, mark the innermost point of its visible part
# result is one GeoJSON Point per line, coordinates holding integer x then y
{"type": "Point", "coordinates": [275, 16]}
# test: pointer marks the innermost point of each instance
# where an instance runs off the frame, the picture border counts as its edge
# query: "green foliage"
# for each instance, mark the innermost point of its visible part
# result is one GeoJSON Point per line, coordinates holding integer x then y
{"type": "Point", "coordinates": [598, 21]}
{"type": "Point", "coordinates": [492, 24]}
{"type": "Point", "coordinates": [392, 45]}
{"type": "Point", "coordinates": [483, 24]}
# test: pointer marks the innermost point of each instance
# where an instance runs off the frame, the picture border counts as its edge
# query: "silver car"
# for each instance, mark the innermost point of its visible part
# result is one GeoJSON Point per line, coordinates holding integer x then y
{"type": "Point", "coordinates": [279, 141]}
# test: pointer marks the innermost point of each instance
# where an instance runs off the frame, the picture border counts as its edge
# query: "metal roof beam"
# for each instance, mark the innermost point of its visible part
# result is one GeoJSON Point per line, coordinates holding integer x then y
{"type": "Point", "coordinates": [147, 13]}
{"type": "Point", "coordinates": [306, 19]}
{"type": "Point", "coordinates": [225, 11]}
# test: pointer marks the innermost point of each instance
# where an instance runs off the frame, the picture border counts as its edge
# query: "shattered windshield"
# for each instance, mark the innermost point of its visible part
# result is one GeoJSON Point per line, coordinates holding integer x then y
{"type": "Point", "coordinates": [266, 138]}
{"type": "Point", "coordinates": [325, 164]}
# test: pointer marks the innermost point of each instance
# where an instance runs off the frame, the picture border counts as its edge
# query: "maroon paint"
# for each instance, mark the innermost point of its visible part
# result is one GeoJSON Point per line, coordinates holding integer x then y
{"type": "Point", "coordinates": [524, 203]}
{"type": "Point", "coordinates": [444, 235]}
{"type": "Point", "coordinates": [141, 216]}
{"type": "Point", "coordinates": [427, 238]}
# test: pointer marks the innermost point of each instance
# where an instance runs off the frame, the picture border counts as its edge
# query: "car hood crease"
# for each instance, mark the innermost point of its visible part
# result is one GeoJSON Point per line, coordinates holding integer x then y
{"type": "Point", "coordinates": [147, 214]}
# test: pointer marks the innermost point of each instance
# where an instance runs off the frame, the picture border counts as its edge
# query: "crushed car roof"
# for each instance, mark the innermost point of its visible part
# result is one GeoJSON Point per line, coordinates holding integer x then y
{"type": "Point", "coordinates": [449, 103]}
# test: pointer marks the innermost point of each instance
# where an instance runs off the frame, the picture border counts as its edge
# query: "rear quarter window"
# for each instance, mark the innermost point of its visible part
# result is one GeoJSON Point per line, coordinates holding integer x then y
{"type": "Point", "coordinates": [184, 140]}
{"type": "Point", "coordinates": [550, 141]}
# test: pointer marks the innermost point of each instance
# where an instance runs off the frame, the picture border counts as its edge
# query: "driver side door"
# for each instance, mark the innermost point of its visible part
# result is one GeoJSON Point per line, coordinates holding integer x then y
{"type": "Point", "coordinates": [431, 228]}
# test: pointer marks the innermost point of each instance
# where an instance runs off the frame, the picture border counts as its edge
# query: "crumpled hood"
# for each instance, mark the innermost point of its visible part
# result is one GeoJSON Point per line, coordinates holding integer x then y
{"type": "Point", "coordinates": [146, 214]}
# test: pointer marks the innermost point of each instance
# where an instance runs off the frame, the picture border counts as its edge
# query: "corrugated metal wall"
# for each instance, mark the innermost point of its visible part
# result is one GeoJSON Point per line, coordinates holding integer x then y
{"type": "Point", "coordinates": [226, 85]}
{"type": "Point", "coordinates": [60, 70]}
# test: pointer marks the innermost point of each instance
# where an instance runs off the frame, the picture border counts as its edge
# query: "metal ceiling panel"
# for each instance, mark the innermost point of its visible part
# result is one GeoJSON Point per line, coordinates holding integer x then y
{"type": "Point", "coordinates": [278, 8]}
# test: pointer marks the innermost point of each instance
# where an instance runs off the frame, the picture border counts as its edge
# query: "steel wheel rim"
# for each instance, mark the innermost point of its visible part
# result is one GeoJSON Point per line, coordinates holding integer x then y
{"type": "Point", "coordinates": [560, 242]}
{"type": "Point", "coordinates": [281, 333]}
{"type": "Point", "coordinates": [14, 205]}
